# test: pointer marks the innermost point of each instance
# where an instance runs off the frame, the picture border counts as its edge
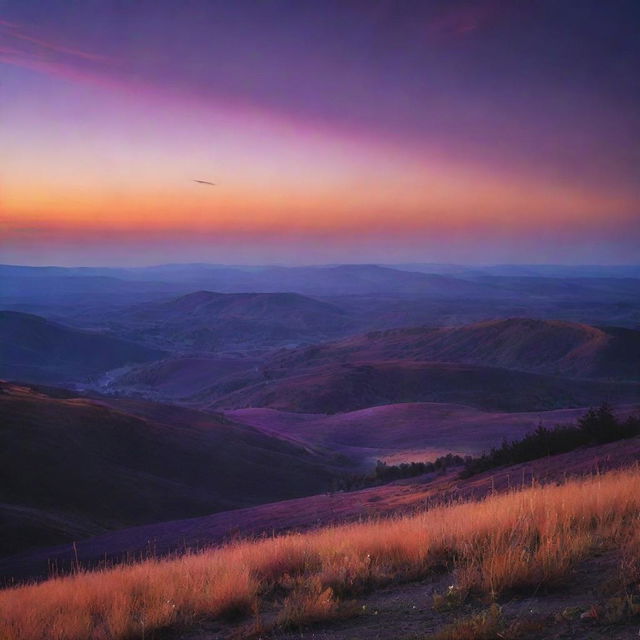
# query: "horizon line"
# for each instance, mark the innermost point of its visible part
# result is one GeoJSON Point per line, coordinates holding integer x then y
{"type": "Point", "coordinates": [328, 264]}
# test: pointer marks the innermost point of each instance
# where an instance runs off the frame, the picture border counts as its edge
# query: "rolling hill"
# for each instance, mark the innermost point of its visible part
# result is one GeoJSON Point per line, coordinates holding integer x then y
{"type": "Point", "coordinates": [347, 386]}
{"type": "Point", "coordinates": [70, 465]}
{"type": "Point", "coordinates": [413, 431]}
{"type": "Point", "coordinates": [209, 321]}
{"type": "Point", "coordinates": [518, 364]}
{"type": "Point", "coordinates": [540, 346]}
{"type": "Point", "coordinates": [37, 350]}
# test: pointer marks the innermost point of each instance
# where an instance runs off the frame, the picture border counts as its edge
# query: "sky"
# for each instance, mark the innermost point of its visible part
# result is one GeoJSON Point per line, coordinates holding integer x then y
{"type": "Point", "coordinates": [480, 131]}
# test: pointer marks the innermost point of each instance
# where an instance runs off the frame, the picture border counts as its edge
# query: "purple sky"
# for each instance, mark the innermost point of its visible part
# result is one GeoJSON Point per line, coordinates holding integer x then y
{"type": "Point", "coordinates": [335, 131]}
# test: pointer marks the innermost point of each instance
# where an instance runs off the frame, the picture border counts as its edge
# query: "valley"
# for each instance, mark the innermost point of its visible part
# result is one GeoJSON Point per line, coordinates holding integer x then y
{"type": "Point", "coordinates": [168, 416]}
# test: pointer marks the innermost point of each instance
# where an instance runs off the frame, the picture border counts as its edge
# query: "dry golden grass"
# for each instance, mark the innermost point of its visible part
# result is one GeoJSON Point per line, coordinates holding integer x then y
{"type": "Point", "coordinates": [521, 540]}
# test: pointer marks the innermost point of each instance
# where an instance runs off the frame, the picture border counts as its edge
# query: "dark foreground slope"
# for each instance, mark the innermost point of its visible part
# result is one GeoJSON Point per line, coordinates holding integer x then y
{"type": "Point", "coordinates": [38, 350]}
{"type": "Point", "coordinates": [71, 466]}
{"type": "Point", "coordinates": [303, 514]}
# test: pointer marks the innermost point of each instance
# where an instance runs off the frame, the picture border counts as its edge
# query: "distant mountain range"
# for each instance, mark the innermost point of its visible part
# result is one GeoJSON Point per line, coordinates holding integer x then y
{"type": "Point", "coordinates": [372, 296]}
{"type": "Point", "coordinates": [21, 283]}
{"type": "Point", "coordinates": [187, 272]}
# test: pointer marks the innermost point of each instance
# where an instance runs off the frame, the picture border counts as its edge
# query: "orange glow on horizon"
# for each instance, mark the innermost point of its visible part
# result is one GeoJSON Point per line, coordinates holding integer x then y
{"type": "Point", "coordinates": [409, 204]}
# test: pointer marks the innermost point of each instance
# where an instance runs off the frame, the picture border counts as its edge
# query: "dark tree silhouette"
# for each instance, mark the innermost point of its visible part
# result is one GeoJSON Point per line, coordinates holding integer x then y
{"type": "Point", "coordinates": [597, 426]}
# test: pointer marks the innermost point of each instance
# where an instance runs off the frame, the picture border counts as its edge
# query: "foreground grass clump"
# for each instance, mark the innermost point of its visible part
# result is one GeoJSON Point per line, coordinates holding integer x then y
{"type": "Point", "coordinates": [523, 540]}
{"type": "Point", "coordinates": [490, 625]}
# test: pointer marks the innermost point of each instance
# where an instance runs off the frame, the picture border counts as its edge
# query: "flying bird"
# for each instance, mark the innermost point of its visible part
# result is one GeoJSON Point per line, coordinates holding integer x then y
{"type": "Point", "coordinates": [212, 184]}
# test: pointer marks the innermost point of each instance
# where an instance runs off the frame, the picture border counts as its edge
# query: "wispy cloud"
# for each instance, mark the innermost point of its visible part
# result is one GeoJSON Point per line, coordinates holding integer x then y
{"type": "Point", "coordinates": [21, 46]}
{"type": "Point", "coordinates": [12, 31]}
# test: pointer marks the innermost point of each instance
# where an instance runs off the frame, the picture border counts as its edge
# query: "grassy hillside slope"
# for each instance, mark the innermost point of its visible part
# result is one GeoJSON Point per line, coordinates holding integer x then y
{"type": "Point", "coordinates": [523, 541]}
{"type": "Point", "coordinates": [308, 513]}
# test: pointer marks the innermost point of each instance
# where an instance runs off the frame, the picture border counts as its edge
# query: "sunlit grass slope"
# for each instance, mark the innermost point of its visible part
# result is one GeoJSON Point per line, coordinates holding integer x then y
{"type": "Point", "coordinates": [522, 540]}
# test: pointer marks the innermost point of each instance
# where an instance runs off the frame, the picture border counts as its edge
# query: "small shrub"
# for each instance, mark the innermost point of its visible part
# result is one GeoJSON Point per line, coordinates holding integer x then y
{"type": "Point", "coordinates": [309, 603]}
{"type": "Point", "coordinates": [451, 599]}
{"type": "Point", "coordinates": [621, 609]}
{"type": "Point", "coordinates": [490, 625]}
{"type": "Point", "coordinates": [482, 626]}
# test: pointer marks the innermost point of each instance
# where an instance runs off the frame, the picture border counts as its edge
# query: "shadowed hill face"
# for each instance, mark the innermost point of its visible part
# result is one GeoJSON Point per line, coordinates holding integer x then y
{"type": "Point", "coordinates": [544, 346]}
{"type": "Point", "coordinates": [184, 377]}
{"type": "Point", "coordinates": [91, 465]}
{"type": "Point", "coordinates": [347, 387]}
{"type": "Point", "coordinates": [35, 349]}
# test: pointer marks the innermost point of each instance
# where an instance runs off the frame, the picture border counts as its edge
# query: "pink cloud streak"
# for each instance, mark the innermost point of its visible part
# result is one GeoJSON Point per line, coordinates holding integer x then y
{"type": "Point", "coordinates": [11, 31]}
